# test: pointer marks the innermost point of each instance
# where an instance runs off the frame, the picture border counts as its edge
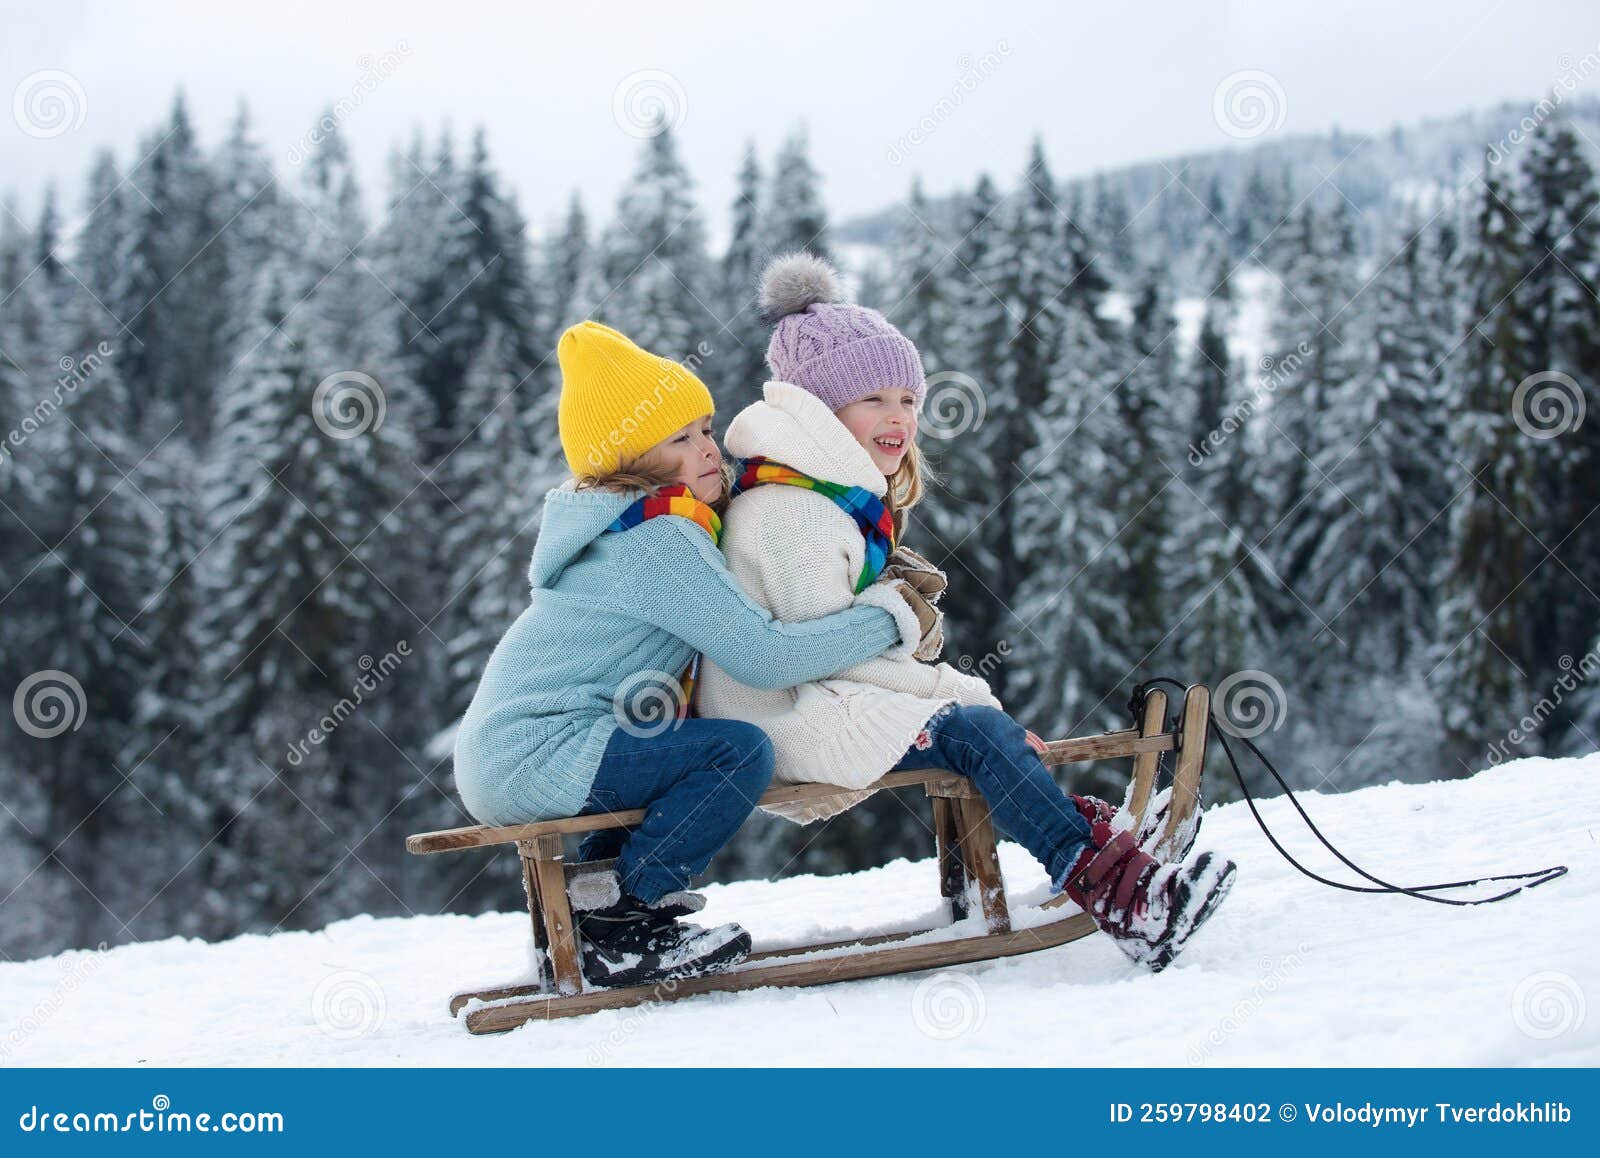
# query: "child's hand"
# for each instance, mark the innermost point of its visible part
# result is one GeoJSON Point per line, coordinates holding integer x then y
{"type": "Point", "coordinates": [929, 618]}
{"type": "Point", "coordinates": [1037, 744]}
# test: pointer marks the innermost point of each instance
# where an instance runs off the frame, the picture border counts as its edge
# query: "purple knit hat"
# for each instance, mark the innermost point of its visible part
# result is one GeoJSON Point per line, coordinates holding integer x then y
{"type": "Point", "coordinates": [839, 352]}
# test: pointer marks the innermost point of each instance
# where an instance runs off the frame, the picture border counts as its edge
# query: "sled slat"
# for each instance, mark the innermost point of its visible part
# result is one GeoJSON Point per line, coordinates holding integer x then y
{"type": "Point", "coordinates": [1145, 764]}
{"type": "Point", "coordinates": [853, 967]}
{"type": "Point", "coordinates": [1191, 757]}
{"type": "Point", "coordinates": [558, 927]}
{"type": "Point", "coordinates": [527, 854]}
{"type": "Point", "coordinates": [947, 842]}
{"type": "Point", "coordinates": [1109, 746]}
{"type": "Point", "coordinates": [460, 1000]}
{"type": "Point", "coordinates": [480, 835]}
{"type": "Point", "coordinates": [982, 858]}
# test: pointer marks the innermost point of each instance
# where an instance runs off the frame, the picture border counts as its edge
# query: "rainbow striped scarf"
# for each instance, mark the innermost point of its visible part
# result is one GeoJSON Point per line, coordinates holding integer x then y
{"type": "Point", "coordinates": [675, 500]}
{"type": "Point", "coordinates": [867, 509]}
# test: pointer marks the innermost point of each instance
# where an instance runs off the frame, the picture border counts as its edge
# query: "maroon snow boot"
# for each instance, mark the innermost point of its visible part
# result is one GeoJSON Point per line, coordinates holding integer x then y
{"type": "Point", "coordinates": [1148, 908]}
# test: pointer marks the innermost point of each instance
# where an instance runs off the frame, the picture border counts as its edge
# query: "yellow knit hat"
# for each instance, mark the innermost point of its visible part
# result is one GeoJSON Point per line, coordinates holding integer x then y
{"type": "Point", "coordinates": [618, 400]}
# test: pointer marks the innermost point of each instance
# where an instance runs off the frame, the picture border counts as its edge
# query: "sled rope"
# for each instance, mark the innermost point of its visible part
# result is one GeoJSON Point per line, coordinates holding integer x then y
{"type": "Point", "coordinates": [1420, 892]}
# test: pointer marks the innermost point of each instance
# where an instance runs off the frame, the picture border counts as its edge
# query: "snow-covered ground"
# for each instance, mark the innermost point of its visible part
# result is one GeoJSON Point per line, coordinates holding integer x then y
{"type": "Point", "coordinates": [1288, 972]}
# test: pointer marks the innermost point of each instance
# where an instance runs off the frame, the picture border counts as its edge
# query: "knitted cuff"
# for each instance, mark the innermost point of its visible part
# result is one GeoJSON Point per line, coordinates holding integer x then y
{"type": "Point", "coordinates": [884, 596]}
{"type": "Point", "coordinates": [970, 690]}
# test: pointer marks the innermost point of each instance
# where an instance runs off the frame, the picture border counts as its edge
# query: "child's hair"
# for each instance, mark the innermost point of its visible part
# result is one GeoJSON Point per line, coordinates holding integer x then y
{"type": "Point", "coordinates": [906, 486]}
{"type": "Point", "coordinates": [638, 475]}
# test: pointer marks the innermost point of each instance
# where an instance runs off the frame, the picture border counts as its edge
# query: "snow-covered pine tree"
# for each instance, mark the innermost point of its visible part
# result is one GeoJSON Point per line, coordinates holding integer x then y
{"type": "Point", "coordinates": [564, 259]}
{"type": "Point", "coordinates": [740, 374]}
{"type": "Point", "coordinates": [1110, 221]}
{"type": "Point", "coordinates": [653, 273]}
{"type": "Point", "coordinates": [1483, 631]}
{"type": "Point", "coordinates": [1559, 209]}
{"type": "Point", "coordinates": [99, 241]}
{"type": "Point", "coordinates": [45, 259]}
{"type": "Point", "coordinates": [425, 256]}
{"type": "Point", "coordinates": [564, 262]}
{"type": "Point", "coordinates": [1146, 411]}
{"type": "Point", "coordinates": [258, 218]}
{"type": "Point", "coordinates": [920, 296]}
{"type": "Point", "coordinates": [1028, 273]}
{"type": "Point", "coordinates": [965, 492]}
{"type": "Point", "coordinates": [490, 540]}
{"type": "Point", "coordinates": [502, 293]}
{"type": "Point", "coordinates": [89, 534]}
{"type": "Point", "coordinates": [1315, 328]}
{"type": "Point", "coordinates": [1214, 574]}
{"type": "Point", "coordinates": [15, 245]}
{"type": "Point", "coordinates": [1373, 531]}
{"type": "Point", "coordinates": [343, 304]}
{"type": "Point", "coordinates": [169, 749]}
{"type": "Point", "coordinates": [796, 218]}
{"type": "Point", "coordinates": [171, 293]}
{"type": "Point", "coordinates": [1073, 651]}
{"type": "Point", "coordinates": [305, 513]}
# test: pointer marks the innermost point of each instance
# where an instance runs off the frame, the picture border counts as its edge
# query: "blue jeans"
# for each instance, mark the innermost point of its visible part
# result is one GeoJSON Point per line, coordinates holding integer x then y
{"type": "Point", "coordinates": [991, 749]}
{"type": "Point", "coordinates": [696, 781]}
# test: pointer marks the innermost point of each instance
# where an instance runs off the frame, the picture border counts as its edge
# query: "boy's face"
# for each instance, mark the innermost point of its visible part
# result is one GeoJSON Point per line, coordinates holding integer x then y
{"type": "Point", "coordinates": [691, 454]}
{"type": "Point", "coordinates": [884, 423]}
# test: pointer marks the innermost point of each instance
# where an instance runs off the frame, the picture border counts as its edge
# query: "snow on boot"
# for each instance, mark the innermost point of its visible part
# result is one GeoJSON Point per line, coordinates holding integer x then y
{"type": "Point", "coordinates": [1148, 908]}
{"type": "Point", "coordinates": [1148, 835]}
{"type": "Point", "coordinates": [632, 943]}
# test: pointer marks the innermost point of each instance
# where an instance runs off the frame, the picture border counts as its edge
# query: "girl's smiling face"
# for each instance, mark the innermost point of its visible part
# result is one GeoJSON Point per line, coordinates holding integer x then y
{"type": "Point", "coordinates": [691, 454]}
{"type": "Point", "coordinates": [884, 423]}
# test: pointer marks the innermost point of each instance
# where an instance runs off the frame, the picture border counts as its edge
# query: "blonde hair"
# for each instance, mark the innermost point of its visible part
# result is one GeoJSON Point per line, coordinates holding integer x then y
{"type": "Point", "coordinates": [906, 486]}
{"type": "Point", "coordinates": [638, 474]}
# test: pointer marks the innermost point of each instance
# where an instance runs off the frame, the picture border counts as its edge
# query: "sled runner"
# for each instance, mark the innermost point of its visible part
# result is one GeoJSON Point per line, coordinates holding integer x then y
{"type": "Point", "coordinates": [969, 878]}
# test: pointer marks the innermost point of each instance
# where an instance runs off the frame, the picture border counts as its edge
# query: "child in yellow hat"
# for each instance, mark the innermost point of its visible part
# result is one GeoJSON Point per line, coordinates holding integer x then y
{"type": "Point", "coordinates": [583, 706]}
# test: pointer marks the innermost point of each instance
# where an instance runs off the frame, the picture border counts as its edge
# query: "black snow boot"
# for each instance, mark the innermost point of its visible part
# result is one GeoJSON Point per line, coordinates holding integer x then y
{"type": "Point", "coordinates": [625, 941]}
{"type": "Point", "coordinates": [631, 943]}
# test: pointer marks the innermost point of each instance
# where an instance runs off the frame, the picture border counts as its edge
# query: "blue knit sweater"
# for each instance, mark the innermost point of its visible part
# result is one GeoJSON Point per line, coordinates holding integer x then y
{"type": "Point", "coordinates": [606, 607]}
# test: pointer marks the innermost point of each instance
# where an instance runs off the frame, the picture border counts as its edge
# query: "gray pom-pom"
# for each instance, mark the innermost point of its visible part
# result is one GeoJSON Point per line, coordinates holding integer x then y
{"type": "Point", "coordinates": [794, 281]}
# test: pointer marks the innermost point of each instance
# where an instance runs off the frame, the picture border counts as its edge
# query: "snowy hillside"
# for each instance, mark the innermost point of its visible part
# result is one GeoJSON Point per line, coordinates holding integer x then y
{"type": "Point", "coordinates": [1288, 972]}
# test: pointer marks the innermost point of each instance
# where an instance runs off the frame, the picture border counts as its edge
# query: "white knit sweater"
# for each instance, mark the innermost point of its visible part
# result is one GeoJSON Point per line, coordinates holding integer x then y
{"type": "Point", "coordinates": [799, 555]}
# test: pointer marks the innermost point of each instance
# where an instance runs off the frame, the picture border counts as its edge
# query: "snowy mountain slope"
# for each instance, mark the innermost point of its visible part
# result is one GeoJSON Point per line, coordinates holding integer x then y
{"type": "Point", "coordinates": [1289, 972]}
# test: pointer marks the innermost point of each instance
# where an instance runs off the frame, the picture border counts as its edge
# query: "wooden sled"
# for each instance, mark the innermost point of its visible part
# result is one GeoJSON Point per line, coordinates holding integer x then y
{"type": "Point", "coordinates": [969, 876]}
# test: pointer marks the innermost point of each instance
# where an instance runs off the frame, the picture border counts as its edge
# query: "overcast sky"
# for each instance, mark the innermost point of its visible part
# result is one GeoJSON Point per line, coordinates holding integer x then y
{"type": "Point", "coordinates": [551, 83]}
